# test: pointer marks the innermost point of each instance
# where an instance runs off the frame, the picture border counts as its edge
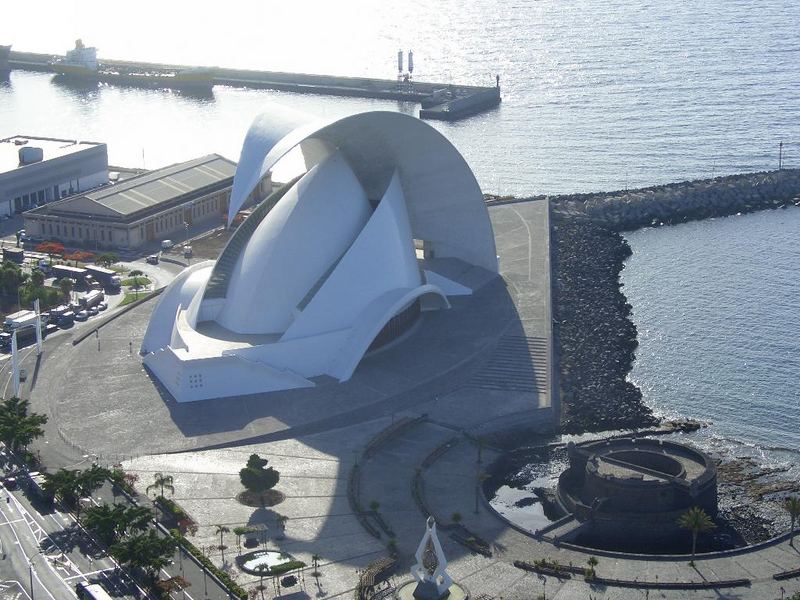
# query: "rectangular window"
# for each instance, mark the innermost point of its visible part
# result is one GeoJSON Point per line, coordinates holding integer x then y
{"type": "Point", "coordinates": [102, 235]}
{"type": "Point", "coordinates": [50, 226]}
{"type": "Point", "coordinates": [73, 231]}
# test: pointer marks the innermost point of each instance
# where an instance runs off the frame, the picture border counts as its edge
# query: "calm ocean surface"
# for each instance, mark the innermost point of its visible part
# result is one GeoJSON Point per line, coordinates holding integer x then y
{"type": "Point", "coordinates": [596, 96]}
{"type": "Point", "coordinates": [716, 308]}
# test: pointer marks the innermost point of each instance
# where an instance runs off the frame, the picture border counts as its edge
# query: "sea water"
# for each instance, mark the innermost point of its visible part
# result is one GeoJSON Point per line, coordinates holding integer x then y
{"type": "Point", "coordinates": [715, 304]}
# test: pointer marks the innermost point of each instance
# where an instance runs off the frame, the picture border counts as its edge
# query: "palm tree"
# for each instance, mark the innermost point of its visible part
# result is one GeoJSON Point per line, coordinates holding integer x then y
{"type": "Point", "coordinates": [162, 482]}
{"type": "Point", "coordinates": [281, 520]}
{"type": "Point", "coordinates": [147, 551]}
{"type": "Point", "coordinates": [104, 521]}
{"type": "Point", "coordinates": [135, 274]}
{"type": "Point", "coordinates": [65, 284]}
{"type": "Point", "coordinates": [592, 562]}
{"type": "Point", "coordinates": [315, 562]}
{"type": "Point", "coordinates": [37, 278]}
{"type": "Point", "coordinates": [262, 568]}
{"type": "Point", "coordinates": [72, 485]}
{"type": "Point", "coordinates": [792, 506]}
{"type": "Point", "coordinates": [221, 530]}
{"type": "Point", "coordinates": [17, 427]}
{"type": "Point", "coordinates": [697, 521]}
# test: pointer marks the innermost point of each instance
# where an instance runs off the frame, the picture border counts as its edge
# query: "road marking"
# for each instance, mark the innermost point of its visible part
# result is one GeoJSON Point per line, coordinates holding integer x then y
{"type": "Point", "coordinates": [27, 558]}
{"type": "Point", "coordinates": [86, 575]}
{"type": "Point", "coordinates": [11, 522]}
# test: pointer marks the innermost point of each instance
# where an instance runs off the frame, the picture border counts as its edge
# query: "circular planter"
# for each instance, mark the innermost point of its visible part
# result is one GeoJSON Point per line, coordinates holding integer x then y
{"type": "Point", "coordinates": [267, 562]}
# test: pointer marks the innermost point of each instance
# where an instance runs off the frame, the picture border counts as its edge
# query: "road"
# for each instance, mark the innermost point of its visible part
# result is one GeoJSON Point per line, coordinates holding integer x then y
{"type": "Point", "coordinates": [45, 553]}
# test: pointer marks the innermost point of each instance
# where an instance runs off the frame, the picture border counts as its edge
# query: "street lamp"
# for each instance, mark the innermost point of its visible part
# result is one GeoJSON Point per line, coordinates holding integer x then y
{"type": "Point", "coordinates": [30, 571]}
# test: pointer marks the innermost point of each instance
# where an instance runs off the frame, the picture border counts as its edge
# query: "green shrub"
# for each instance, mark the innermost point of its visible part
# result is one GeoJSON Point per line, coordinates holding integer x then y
{"type": "Point", "coordinates": [234, 587]}
{"type": "Point", "coordinates": [286, 567]}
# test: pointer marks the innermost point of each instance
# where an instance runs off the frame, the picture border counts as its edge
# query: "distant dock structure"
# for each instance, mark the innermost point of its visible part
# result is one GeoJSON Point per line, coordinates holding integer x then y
{"type": "Point", "coordinates": [440, 101]}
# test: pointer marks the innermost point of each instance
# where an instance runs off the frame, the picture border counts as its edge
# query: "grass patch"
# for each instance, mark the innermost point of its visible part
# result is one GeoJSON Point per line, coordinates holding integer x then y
{"type": "Point", "coordinates": [131, 297]}
{"type": "Point", "coordinates": [136, 281]}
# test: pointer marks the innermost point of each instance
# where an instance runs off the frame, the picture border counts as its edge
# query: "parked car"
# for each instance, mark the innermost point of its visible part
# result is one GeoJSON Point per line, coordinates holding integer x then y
{"type": "Point", "coordinates": [10, 483]}
{"type": "Point", "coordinates": [167, 244]}
{"type": "Point", "coordinates": [102, 306]}
{"type": "Point", "coordinates": [152, 259]}
{"type": "Point", "coordinates": [93, 311]}
{"type": "Point", "coordinates": [81, 315]}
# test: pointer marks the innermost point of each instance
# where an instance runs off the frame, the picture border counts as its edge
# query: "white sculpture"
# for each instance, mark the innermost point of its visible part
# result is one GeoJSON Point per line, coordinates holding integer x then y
{"type": "Point", "coordinates": [436, 585]}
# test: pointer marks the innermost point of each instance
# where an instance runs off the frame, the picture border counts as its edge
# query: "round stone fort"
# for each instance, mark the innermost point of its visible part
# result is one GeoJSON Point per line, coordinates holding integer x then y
{"type": "Point", "coordinates": [635, 489]}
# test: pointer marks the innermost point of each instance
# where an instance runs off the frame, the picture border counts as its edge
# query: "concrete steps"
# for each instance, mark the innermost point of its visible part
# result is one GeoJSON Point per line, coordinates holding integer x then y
{"type": "Point", "coordinates": [220, 277]}
{"type": "Point", "coordinates": [518, 364]}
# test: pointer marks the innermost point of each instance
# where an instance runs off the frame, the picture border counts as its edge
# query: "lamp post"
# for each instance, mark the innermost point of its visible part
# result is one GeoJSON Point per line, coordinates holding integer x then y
{"type": "Point", "coordinates": [30, 572]}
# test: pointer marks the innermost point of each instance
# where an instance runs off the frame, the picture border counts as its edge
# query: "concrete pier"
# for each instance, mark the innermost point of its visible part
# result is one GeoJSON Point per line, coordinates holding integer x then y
{"type": "Point", "coordinates": [440, 101]}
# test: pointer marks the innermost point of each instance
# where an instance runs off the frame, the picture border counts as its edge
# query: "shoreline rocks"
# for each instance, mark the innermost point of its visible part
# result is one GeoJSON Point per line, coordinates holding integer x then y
{"type": "Point", "coordinates": [594, 339]}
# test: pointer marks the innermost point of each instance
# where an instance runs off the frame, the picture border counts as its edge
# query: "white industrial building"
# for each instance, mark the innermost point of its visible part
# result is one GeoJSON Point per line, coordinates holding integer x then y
{"type": "Point", "coordinates": [336, 263]}
{"type": "Point", "coordinates": [38, 170]}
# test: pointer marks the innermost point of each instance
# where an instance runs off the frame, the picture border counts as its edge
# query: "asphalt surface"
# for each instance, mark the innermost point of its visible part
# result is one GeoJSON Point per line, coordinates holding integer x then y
{"type": "Point", "coordinates": [46, 553]}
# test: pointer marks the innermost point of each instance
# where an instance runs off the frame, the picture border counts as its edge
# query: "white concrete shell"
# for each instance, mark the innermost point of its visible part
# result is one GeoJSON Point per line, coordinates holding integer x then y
{"type": "Point", "coordinates": [327, 266]}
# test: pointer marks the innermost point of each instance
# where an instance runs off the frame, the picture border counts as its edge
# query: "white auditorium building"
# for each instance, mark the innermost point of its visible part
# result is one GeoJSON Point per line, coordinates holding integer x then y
{"type": "Point", "coordinates": [333, 265]}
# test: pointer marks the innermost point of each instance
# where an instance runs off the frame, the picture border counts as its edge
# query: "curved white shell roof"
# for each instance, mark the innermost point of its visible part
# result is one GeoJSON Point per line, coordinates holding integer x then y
{"type": "Point", "coordinates": [444, 201]}
{"type": "Point", "coordinates": [321, 267]}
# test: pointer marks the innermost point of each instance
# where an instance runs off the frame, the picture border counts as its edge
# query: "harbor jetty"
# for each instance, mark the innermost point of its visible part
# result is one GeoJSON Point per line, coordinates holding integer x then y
{"type": "Point", "coordinates": [594, 338]}
{"type": "Point", "coordinates": [440, 101]}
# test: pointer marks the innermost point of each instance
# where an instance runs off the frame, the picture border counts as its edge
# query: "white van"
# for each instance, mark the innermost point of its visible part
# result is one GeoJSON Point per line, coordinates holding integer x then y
{"type": "Point", "coordinates": [166, 244]}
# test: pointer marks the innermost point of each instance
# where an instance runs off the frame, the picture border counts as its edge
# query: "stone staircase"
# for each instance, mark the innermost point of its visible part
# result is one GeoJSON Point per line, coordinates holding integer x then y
{"type": "Point", "coordinates": [518, 363]}
{"type": "Point", "coordinates": [220, 278]}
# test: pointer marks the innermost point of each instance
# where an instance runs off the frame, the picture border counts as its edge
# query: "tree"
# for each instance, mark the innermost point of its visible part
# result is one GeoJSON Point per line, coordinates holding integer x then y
{"type": "Point", "coordinates": [37, 277]}
{"type": "Point", "coordinates": [258, 479]}
{"type": "Point", "coordinates": [110, 522]}
{"type": "Point", "coordinates": [106, 259]}
{"type": "Point", "coordinates": [51, 248]}
{"type": "Point", "coordinates": [65, 284]}
{"type": "Point", "coordinates": [173, 584]}
{"type": "Point", "coordinates": [456, 518]}
{"type": "Point", "coordinates": [221, 530]}
{"type": "Point", "coordinates": [11, 278]}
{"type": "Point", "coordinates": [374, 506]}
{"type": "Point", "coordinates": [592, 562]}
{"type": "Point", "coordinates": [147, 551]}
{"type": "Point", "coordinates": [696, 521]}
{"type": "Point", "coordinates": [315, 562]}
{"type": "Point", "coordinates": [17, 427]}
{"type": "Point", "coordinates": [792, 506]}
{"type": "Point", "coordinates": [281, 521]}
{"type": "Point", "coordinates": [79, 256]}
{"type": "Point", "coordinates": [135, 274]}
{"type": "Point", "coordinates": [162, 482]}
{"type": "Point", "coordinates": [72, 485]}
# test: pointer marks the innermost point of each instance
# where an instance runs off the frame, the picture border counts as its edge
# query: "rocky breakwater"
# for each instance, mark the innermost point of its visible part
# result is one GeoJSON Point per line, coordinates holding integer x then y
{"type": "Point", "coordinates": [686, 201]}
{"type": "Point", "coordinates": [593, 334]}
{"type": "Point", "coordinates": [595, 338]}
